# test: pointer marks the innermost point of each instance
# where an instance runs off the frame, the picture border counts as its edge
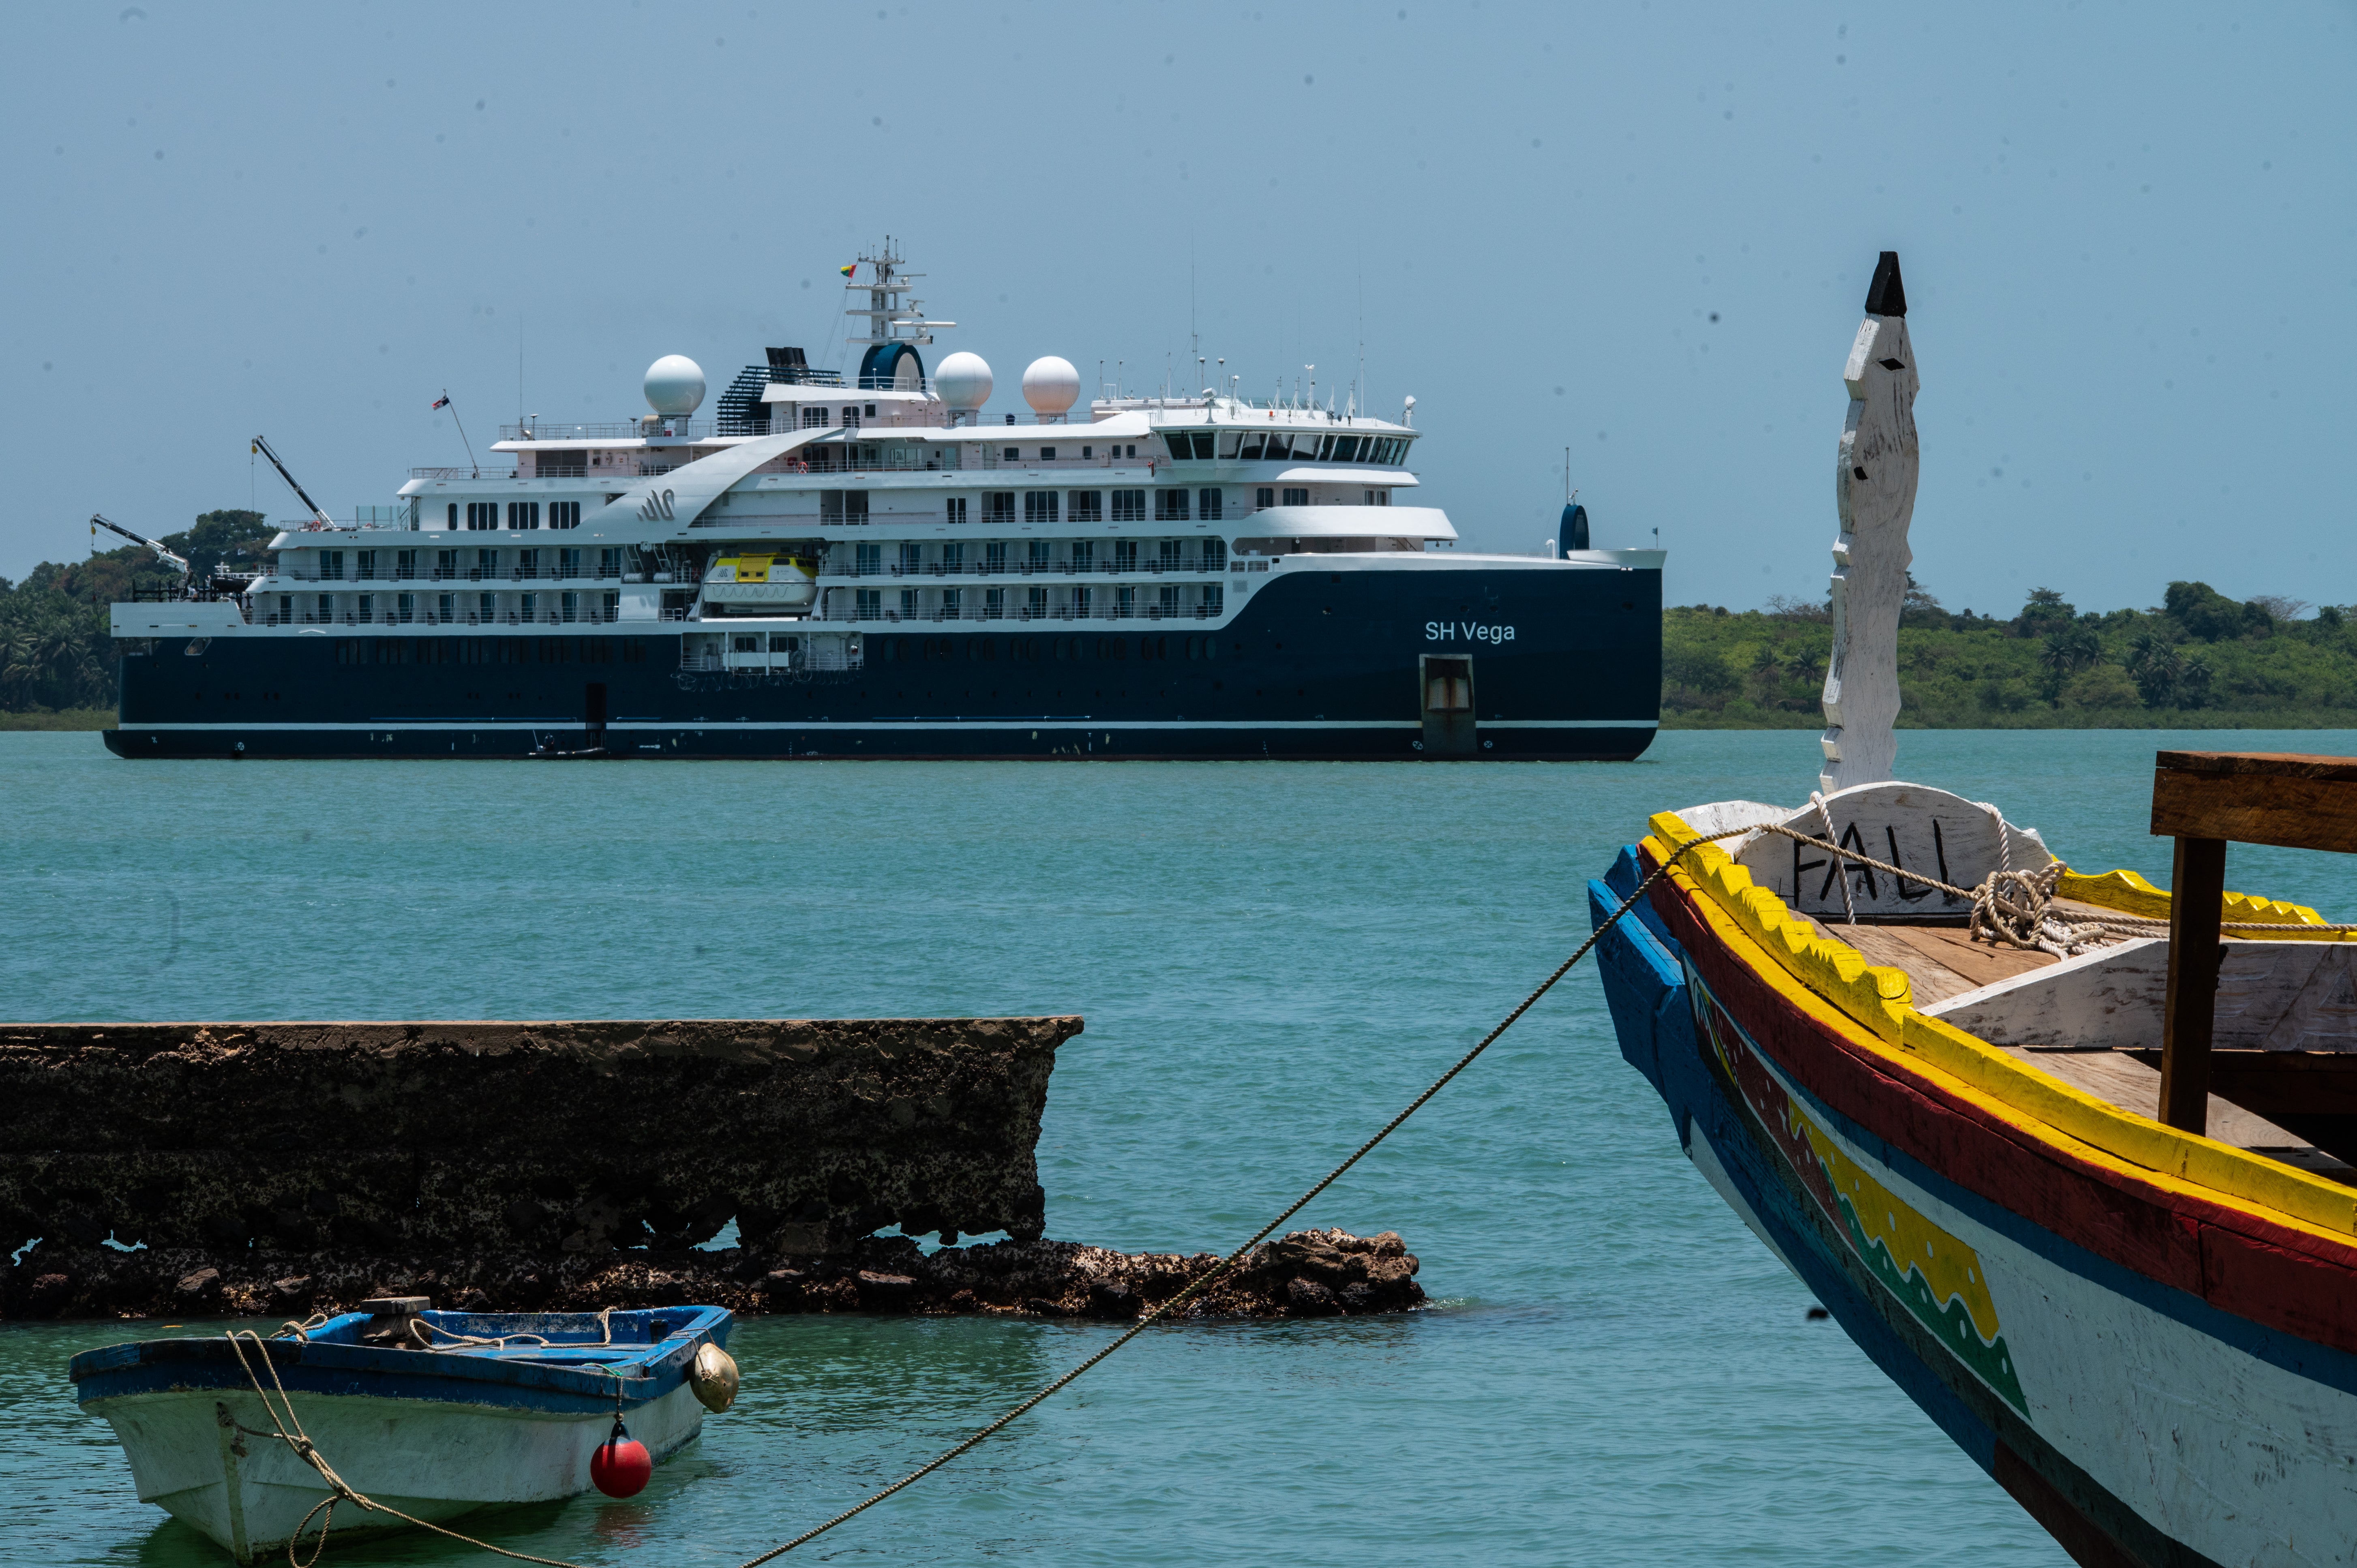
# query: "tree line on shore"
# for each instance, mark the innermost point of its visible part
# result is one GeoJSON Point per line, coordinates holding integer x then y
{"type": "Point", "coordinates": [55, 653]}
{"type": "Point", "coordinates": [2196, 659]}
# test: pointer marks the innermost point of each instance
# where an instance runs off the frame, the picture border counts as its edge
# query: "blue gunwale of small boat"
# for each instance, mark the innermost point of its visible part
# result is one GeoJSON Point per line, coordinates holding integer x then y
{"type": "Point", "coordinates": [574, 1375]}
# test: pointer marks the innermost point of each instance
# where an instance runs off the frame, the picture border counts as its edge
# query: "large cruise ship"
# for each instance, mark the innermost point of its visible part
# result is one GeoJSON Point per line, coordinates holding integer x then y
{"type": "Point", "coordinates": [857, 566]}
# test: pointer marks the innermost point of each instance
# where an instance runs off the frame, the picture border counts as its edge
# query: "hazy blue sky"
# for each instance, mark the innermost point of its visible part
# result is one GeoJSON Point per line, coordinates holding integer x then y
{"type": "Point", "coordinates": [2127, 231]}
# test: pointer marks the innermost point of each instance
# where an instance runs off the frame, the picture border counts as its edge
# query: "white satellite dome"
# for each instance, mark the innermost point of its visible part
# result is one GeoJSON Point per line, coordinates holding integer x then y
{"type": "Point", "coordinates": [1051, 385]}
{"type": "Point", "coordinates": [964, 381]}
{"type": "Point", "coordinates": [675, 385]}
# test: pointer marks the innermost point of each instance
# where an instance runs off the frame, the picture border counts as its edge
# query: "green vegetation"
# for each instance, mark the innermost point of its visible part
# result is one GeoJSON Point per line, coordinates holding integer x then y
{"type": "Point", "coordinates": [2197, 659]}
{"type": "Point", "coordinates": [57, 662]}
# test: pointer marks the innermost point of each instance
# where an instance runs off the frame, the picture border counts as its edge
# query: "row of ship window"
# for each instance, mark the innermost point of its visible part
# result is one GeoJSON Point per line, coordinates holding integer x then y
{"type": "Point", "coordinates": [850, 507]}
{"type": "Point", "coordinates": [1082, 602]}
{"type": "Point", "coordinates": [1249, 446]}
{"type": "Point", "coordinates": [606, 650]}
{"type": "Point", "coordinates": [1088, 506]}
{"type": "Point", "coordinates": [471, 566]}
{"type": "Point", "coordinates": [521, 516]}
{"type": "Point", "coordinates": [1285, 446]}
{"type": "Point", "coordinates": [562, 609]}
{"type": "Point", "coordinates": [952, 557]}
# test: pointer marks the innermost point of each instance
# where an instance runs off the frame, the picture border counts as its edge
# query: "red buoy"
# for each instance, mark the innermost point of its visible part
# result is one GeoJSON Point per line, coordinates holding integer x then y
{"type": "Point", "coordinates": [621, 1467]}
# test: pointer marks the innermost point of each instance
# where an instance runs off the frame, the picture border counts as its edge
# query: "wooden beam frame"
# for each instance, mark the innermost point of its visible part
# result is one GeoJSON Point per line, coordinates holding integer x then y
{"type": "Point", "coordinates": [2203, 799]}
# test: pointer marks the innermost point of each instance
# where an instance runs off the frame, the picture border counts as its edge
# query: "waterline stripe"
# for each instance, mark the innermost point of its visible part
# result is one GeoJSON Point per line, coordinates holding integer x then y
{"type": "Point", "coordinates": [909, 723]}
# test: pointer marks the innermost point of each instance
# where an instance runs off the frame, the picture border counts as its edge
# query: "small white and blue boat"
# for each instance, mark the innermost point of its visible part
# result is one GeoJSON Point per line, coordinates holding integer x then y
{"type": "Point", "coordinates": [503, 1408]}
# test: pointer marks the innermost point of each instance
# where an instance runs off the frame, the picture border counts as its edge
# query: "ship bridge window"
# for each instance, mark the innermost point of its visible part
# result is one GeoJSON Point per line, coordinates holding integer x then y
{"type": "Point", "coordinates": [1129, 506]}
{"type": "Point", "coordinates": [1186, 444]}
{"type": "Point", "coordinates": [1038, 506]}
{"type": "Point", "coordinates": [1346, 449]}
{"type": "Point", "coordinates": [1087, 506]}
{"type": "Point", "coordinates": [1170, 506]}
{"type": "Point", "coordinates": [1231, 441]}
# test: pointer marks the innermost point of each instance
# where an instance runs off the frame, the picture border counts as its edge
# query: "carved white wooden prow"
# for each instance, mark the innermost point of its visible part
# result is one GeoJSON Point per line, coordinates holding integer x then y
{"type": "Point", "coordinates": [1875, 490]}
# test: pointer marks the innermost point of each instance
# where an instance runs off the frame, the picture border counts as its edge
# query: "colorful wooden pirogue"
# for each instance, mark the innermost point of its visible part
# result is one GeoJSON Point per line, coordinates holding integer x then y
{"type": "Point", "coordinates": [2072, 1170]}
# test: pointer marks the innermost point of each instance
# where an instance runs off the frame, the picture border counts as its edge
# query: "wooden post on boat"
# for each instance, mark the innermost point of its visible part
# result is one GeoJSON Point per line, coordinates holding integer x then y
{"type": "Point", "coordinates": [2197, 896]}
{"type": "Point", "coordinates": [2205, 799]}
{"type": "Point", "coordinates": [1874, 486]}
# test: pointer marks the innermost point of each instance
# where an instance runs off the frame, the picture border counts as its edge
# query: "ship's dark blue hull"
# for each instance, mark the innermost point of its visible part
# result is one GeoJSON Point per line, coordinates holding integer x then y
{"type": "Point", "coordinates": [1565, 665]}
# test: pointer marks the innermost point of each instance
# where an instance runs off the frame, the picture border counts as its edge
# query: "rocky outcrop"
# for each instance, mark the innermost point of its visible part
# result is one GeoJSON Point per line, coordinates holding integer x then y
{"type": "Point", "coordinates": [1309, 1273]}
{"type": "Point", "coordinates": [287, 1168]}
{"type": "Point", "coordinates": [547, 1142]}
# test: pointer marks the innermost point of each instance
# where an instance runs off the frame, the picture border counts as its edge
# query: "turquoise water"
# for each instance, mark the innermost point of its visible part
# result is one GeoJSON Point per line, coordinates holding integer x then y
{"type": "Point", "coordinates": [1271, 958]}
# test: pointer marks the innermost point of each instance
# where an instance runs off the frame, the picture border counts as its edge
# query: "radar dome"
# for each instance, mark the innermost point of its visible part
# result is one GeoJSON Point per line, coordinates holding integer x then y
{"type": "Point", "coordinates": [1052, 386]}
{"type": "Point", "coordinates": [675, 385]}
{"type": "Point", "coordinates": [964, 381]}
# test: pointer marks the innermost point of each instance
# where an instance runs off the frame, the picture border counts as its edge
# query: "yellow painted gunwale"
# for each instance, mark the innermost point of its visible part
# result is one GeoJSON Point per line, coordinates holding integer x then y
{"type": "Point", "coordinates": [1870, 1007]}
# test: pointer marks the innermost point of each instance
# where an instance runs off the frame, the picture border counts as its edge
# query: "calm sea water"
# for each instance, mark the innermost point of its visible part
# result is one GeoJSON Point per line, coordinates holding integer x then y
{"type": "Point", "coordinates": [1270, 958]}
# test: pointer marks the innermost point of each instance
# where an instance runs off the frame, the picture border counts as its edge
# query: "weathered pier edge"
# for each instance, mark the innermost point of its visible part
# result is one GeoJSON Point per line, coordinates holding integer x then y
{"type": "Point", "coordinates": [284, 1168]}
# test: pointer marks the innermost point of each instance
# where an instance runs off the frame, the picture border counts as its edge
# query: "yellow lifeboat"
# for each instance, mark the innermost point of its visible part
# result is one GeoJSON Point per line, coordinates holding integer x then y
{"type": "Point", "coordinates": [761, 585]}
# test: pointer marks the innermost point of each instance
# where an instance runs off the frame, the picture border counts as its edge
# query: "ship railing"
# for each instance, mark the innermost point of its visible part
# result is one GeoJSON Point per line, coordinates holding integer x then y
{"type": "Point", "coordinates": [593, 615]}
{"type": "Point", "coordinates": [1027, 613]}
{"type": "Point", "coordinates": [1000, 452]}
{"type": "Point", "coordinates": [1154, 566]}
{"type": "Point", "coordinates": [458, 474]}
{"type": "Point", "coordinates": [715, 660]}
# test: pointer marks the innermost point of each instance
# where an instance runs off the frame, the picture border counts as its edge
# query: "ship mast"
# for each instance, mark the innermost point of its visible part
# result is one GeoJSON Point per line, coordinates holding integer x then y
{"type": "Point", "coordinates": [889, 321]}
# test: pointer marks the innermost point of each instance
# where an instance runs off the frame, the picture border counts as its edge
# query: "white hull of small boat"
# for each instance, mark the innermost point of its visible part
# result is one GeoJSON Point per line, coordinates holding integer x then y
{"type": "Point", "coordinates": [505, 1408]}
{"type": "Point", "coordinates": [430, 1459]}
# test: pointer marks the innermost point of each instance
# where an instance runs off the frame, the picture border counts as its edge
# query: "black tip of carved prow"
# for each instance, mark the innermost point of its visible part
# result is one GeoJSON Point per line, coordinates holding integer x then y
{"type": "Point", "coordinates": [1886, 295]}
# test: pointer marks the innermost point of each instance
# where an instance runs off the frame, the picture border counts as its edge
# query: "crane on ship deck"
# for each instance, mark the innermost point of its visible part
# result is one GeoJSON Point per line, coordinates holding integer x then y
{"type": "Point", "coordinates": [318, 519]}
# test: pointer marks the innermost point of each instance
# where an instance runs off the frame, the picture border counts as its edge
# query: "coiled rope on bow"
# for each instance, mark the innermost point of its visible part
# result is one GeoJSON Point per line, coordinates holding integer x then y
{"type": "Point", "coordinates": [2013, 909]}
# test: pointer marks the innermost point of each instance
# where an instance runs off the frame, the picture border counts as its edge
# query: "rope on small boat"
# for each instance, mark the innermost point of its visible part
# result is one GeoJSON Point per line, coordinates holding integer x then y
{"type": "Point", "coordinates": [290, 1432]}
{"type": "Point", "coordinates": [423, 1332]}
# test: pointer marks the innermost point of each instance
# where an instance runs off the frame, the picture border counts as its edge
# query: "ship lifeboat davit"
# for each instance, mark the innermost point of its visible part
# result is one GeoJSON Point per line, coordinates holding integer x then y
{"type": "Point", "coordinates": [761, 585]}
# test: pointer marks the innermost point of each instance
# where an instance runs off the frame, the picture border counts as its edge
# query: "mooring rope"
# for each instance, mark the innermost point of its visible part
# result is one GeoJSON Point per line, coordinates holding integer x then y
{"type": "Point", "coordinates": [1228, 1264]}
{"type": "Point", "coordinates": [2011, 906]}
{"type": "Point", "coordinates": [339, 1489]}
